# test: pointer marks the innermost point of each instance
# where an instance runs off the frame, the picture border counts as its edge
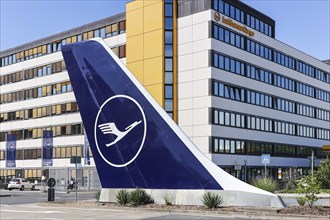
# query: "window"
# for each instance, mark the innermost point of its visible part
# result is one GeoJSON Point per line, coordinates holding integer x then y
{"type": "Point", "coordinates": [122, 27]}
{"type": "Point", "coordinates": [122, 51]}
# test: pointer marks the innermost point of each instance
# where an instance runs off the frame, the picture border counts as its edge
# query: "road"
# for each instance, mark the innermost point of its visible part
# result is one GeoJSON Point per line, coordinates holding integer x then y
{"type": "Point", "coordinates": [24, 205]}
{"type": "Point", "coordinates": [33, 211]}
{"type": "Point", "coordinates": [28, 196]}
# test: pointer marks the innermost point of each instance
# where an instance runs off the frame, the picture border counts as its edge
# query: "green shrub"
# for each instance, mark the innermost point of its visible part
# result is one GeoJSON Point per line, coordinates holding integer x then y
{"type": "Point", "coordinates": [309, 186]}
{"type": "Point", "coordinates": [140, 197]}
{"type": "Point", "coordinates": [97, 195]}
{"type": "Point", "coordinates": [122, 197]}
{"type": "Point", "coordinates": [323, 173]}
{"type": "Point", "coordinates": [301, 201]}
{"type": "Point", "coordinates": [211, 200]}
{"type": "Point", "coordinates": [267, 184]}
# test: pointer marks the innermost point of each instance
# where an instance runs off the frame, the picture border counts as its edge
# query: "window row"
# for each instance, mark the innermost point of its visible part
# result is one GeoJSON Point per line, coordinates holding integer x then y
{"type": "Point", "coordinates": [322, 95]}
{"type": "Point", "coordinates": [268, 101]}
{"type": "Point", "coordinates": [253, 122]}
{"type": "Point", "coordinates": [233, 65]}
{"type": "Point", "coordinates": [104, 32]}
{"type": "Point", "coordinates": [239, 15]}
{"type": "Point", "coordinates": [234, 146]}
{"type": "Point", "coordinates": [284, 60]}
{"type": "Point", "coordinates": [228, 37]}
{"type": "Point", "coordinates": [64, 130]}
{"type": "Point", "coordinates": [305, 69]}
{"type": "Point", "coordinates": [33, 73]}
{"type": "Point", "coordinates": [41, 91]}
{"type": "Point", "coordinates": [40, 112]}
{"type": "Point", "coordinates": [259, 49]}
{"type": "Point", "coordinates": [168, 59]}
{"type": "Point", "coordinates": [237, 40]}
{"type": "Point", "coordinates": [58, 152]}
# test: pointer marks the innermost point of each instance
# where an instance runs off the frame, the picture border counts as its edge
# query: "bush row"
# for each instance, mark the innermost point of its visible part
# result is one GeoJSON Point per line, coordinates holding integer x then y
{"type": "Point", "coordinates": [140, 197]}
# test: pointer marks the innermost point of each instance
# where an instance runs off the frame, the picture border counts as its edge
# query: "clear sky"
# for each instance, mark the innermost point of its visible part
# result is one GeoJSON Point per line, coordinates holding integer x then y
{"type": "Point", "coordinates": [303, 24]}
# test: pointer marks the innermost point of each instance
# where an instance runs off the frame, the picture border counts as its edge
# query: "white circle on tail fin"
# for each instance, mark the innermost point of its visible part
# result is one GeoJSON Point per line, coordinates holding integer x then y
{"type": "Point", "coordinates": [110, 128]}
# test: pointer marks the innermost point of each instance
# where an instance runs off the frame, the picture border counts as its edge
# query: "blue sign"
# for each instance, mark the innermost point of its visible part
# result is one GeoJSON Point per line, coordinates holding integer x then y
{"type": "Point", "coordinates": [86, 151]}
{"type": "Point", "coordinates": [265, 159]}
{"type": "Point", "coordinates": [47, 148]}
{"type": "Point", "coordinates": [11, 150]}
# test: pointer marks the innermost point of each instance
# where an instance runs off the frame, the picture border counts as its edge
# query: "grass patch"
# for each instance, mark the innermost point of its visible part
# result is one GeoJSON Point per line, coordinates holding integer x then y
{"type": "Point", "coordinates": [267, 184]}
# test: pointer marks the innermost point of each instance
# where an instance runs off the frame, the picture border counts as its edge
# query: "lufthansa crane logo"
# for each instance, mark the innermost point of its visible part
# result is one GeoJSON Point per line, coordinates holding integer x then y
{"type": "Point", "coordinates": [120, 130]}
{"type": "Point", "coordinates": [48, 144]}
{"type": "Point", "coordinates": [11, 147]}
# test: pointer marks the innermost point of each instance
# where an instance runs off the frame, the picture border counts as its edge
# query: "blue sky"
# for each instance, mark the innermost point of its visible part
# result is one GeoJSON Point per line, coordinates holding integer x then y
{"type": "Point", "coordinates": [303, 24]}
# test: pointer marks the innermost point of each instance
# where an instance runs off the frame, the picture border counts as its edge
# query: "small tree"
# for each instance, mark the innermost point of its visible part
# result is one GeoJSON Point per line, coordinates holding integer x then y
{"type": "Point", "coordinates": [309, 186]}
{"type": "Point", "coordinates": [323, 173]}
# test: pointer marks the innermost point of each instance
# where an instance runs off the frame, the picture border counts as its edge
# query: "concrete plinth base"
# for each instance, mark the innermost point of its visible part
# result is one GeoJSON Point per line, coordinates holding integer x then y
{"type": "Point", "coordinates": [194, 197]}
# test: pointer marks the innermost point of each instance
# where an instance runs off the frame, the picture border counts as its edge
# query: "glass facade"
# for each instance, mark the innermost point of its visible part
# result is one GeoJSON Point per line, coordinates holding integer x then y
{"type": "Point", "coordinates": [242, 42]}
{"type": "Point", "coordinates": [242, 17]}
{"type": "Point", "coordinates": [169, 54]}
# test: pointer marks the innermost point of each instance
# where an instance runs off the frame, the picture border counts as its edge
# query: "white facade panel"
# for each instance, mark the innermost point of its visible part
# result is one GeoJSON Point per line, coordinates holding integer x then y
{"type": "Point", "coordinates": [185, 104]}
{"type": "Point", "coordinates": [186, 62]}
{"type": "Point", "coordinates": [43, 101]}
{"type": "Point", "coordinates": [72, 140]}
{"type": "Point", "coordinates": [200, 88]}
{"type": "Point", "coordinates": [202, 143]}
{"type": "Point", "coordinates": [186, 48]}
{"type": "Point", "coordinates": [200, 59]}
{"type": "Point", "coordinates": [35, 62]}
{"type": "Point", "coordinates": [202, 102]}
{"type": "Point", "coordinates": [201, 116]}
{"type": "Point", "coordinates": [185, 35]}
{"type": "Point", "coordinates": [185, 76]}
{"type": "Point", "coordinates": [201, 131]}
{"type": "Point", "coordinates": [200, 31]}
{"type": "Point", "coordinates": [201, 73]}
{"type": "Point", "coordinates": [185, 90]}
{"type": "Point", "coordinates": [73, 118]}
{"type": "Point", "coordinates": [186, 118]}
{"type": "Point", "coordinates": [36, 82]}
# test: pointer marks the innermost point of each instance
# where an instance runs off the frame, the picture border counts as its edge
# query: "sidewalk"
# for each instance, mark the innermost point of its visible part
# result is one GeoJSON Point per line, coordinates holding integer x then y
{"type": "Point", "coordinates": [231, 212]}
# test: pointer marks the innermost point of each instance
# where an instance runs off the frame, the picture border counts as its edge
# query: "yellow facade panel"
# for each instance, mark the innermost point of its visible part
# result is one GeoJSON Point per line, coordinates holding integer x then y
{"type": "Point", "coordinates": [133, 5]}
{"type": "Point", "coordinates": [134, 48]}
{"type": "Point", "coordinates": [151, 2]}
{"type": "Point", "coordinates": [153, 71]}
{"type": "Point", "coordinates": [137, 69]}
{"type": "Point", "coordinates": [153, 17]}
{"type": "Point", "coordinates": [156, 92]}
{"type": "Point", "coordinates": [134, 22]}
{"type": "Point", "coordinates": [153, 44]}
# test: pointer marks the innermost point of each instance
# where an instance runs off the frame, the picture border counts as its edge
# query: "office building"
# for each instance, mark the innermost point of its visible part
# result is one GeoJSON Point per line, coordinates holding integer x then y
{"type": "Point", "coordinates": [214, 66]}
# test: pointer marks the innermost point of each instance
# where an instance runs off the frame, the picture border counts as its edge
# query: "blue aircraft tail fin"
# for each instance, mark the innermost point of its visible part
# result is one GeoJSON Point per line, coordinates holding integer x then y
{"type": "Point", "coordinates": [134, 141]}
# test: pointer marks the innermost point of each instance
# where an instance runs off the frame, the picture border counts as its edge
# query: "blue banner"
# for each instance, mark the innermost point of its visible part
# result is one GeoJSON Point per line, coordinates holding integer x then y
{"type": "Point", "coordinates": [11, 150]}
{"type": "Point", "coordinates": [86, 151]}
{"type": "Point", "coordinates": [47, 148]}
